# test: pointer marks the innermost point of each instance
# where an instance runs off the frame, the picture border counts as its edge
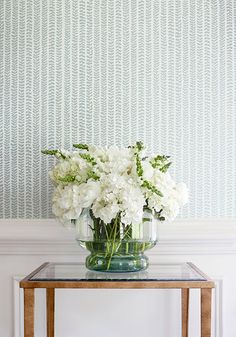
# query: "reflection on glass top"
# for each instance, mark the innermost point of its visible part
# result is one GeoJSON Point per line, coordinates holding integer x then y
{"type": "Point", "coordinates": [155, 272]}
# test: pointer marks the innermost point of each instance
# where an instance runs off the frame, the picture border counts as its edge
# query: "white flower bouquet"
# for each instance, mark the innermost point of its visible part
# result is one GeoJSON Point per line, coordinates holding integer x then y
{"type": "Point", "coordinates": [111, 191]}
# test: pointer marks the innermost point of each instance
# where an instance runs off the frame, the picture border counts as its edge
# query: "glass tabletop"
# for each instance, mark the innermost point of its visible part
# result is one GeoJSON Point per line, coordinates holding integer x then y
{"type": "Point", "coordinates": [155, 272]}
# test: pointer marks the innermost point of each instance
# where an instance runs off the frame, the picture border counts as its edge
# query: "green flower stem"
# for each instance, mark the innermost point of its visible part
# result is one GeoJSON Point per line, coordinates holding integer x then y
{"type": "Point", "coordinates": [110, 241]}
{"type": "Point", "coordinates": [115, 247]}
{"type": "Point", "coordinates": [113, 244]}
{"type": "Point", "coordinates": [107, 244]}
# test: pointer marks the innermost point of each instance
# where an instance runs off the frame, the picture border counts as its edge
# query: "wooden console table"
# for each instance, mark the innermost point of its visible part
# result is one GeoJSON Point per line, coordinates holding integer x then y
{"type": "Point", "coordinates": [159, 276]}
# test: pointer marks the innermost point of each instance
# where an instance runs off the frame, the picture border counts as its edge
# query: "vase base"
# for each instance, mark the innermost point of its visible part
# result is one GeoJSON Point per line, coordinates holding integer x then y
{"type": "Point", "coordinates": [117, 264]}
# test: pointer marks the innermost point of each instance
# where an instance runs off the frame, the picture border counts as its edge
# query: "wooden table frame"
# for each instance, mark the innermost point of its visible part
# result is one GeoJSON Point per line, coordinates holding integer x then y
{"type": "Point", "coordinates": [29, 286]}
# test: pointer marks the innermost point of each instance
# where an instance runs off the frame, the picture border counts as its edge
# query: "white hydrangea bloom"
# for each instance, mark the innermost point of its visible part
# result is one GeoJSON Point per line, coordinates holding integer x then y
{"type": "Point", "coordinates": [106, 212]}
{"type": "Point", "coordinates": [174, 195]}
{"type": "Point", "coordinates": [61, 169]}
{"type": "Point", "coordinates": [133, 202]}
{"type": "Point", "coordinates": [170, 208]}
{"type": "Point", "coordinates": [155, 202]}
{"type": "Point", "coordinates": [163, 181]}
{"type": "Point", "coordinates": [88, 193]}
{"type": "Point", "coordinates": [74, 166]}
{"type": "Point", "coordinates": [65, 202]}
{"type": "Point", "coordinates": [114, 160]}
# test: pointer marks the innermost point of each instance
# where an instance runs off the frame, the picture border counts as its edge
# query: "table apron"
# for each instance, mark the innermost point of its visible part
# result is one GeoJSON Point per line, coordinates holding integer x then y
{"type": "Point", "coordinates": [117, 285]}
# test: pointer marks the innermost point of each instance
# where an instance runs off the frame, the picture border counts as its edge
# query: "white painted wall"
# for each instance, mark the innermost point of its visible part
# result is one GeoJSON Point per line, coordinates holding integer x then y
{"type": "Point", "coordinates": [25, 244]}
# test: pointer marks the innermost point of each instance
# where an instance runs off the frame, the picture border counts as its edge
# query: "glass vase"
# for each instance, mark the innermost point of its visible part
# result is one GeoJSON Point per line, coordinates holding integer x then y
{"type": "Point", "coordinates": [116, 247]}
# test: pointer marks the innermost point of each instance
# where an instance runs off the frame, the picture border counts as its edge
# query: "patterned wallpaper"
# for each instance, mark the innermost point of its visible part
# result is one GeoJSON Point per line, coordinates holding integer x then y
{"type": "Point", "coordinates": [104, 72]}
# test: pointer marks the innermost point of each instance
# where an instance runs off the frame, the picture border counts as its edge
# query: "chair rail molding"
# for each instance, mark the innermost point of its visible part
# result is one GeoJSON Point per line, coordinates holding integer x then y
{"type": "Point", "coordinates": [194, 236]}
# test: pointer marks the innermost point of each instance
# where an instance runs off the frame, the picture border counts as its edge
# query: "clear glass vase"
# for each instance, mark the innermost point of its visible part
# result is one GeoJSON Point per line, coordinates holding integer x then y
{"type": "Point", "coordinates": [116, 247]}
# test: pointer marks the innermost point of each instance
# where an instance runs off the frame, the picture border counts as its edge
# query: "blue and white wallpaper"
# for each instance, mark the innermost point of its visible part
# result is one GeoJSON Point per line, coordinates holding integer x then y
{"type": "Point", "coordinates": [105, 72]}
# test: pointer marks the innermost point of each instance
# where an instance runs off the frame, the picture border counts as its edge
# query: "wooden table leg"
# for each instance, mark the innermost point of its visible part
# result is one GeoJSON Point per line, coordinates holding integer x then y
{"type": "Point", "coordinates": [50, 311]}
{"type": "Point", "coordinates": [206, 312]}
{"type": "Point", "coordinates": [28, 312]}
{"type": "Point", "coordinates": [185, 310]}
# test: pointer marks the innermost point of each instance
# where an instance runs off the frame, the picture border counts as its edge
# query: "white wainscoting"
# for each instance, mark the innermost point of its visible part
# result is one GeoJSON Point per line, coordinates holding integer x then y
{"type": "Point", "coordinates": [211, 244]}
{"type": "Point", "coordinates": [202, 236]}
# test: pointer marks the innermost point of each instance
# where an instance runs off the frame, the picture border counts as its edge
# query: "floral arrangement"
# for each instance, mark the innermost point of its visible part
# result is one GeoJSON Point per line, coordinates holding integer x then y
{"type": "Point", "coordinates": [114, 182]}
{"type": "Point", "coordinates": [117, 195]}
